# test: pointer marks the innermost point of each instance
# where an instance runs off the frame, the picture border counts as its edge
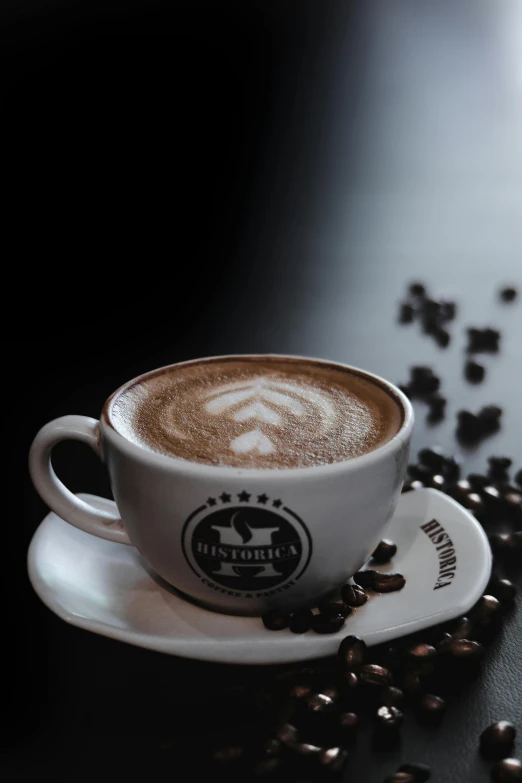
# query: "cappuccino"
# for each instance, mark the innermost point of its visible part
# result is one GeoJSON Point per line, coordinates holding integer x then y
{"type": "Point", "coordinates": [256, 412]}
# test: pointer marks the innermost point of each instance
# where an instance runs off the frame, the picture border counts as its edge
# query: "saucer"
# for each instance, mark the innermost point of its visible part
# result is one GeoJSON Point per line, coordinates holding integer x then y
{"type": "Point", "coordinates": [107, 588]}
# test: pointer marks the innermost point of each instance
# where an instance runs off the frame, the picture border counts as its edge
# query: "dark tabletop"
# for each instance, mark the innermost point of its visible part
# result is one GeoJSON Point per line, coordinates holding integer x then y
{"type": "Point", "coordinates": [254, 177]}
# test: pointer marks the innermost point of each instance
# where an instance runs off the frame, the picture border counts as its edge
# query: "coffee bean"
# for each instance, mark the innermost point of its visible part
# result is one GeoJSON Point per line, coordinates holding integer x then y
{"type": "Point", "coordinates": [421, 472]}
{"type": "Point", "coordinates": [506, 771]}
{"type": "Point", "coordinates": [301, 621]}
{"type": "Point", "coordinates": [421, 651]}
{"type": "Point", "coordinates": [406, 313]}
{"type": "Point", "coordinates": [442, 336]}
{"type": "Point", "coordinates": [491, 495]}
{"type": "Point", "coordinates": [334, 608]}
{"type": "Point", "coordinates": [276, 621]}
{"type": "Point", "coordinates": [417, 485]}
{"type": "Point", "coordinates": [489, 418]}
{"type": "Point", "coordinates": [350, 680]}
{"type": "Point", "coordinates": [417, 289]}
{"type": "Point", "coordinates": [477, 481]}
{"type": "Point", "coordinates": [462, 629]}
{"type": "Point", "coordinates": [353, 595]}
{"type": "Point", "coordinates": [411, 683]}
{"type": "Point", "coordinates": [451, 469]}
{"type": "Point", "coordinates": [508, 294]}
{"type": "Point", "coordinates": [401, 777]}
{"type": "Point", "coordinates": [508, 545]}
{"type": "Point", "coordinates": [322, 623]}
{"type": "Point", "coordinates": [502, 589]}
{"type": "Point", "coordinates": [304, 749]}
{"type": "Point", "coordinates": [437, 406]}
{"type": "Point", "coordinates": [437, 482]}
{"type": "Point", "coordinates": [424, 381]}
{"type": "Point", "coordinates": [465, 648]}
{"type": "Point", "coordinates": [432, 707]}
{"type": "Point", "coordinates": [421, 772]}
{"type": "Point", "coordinates": [448, 310]}
{"type": "Point", "coordinates": [487, 609]}
{"type": "Point", "coordinates": [518, 477]}
{"type": "Point", "coordinates": [351, 652]}
{"type": "Point", "coordinates": [349, 723]}
{"type": "Point", "coordinates": [389, 717]}
{"type": "Point", "coordinates": [388, 583]}
{"type": "Point", "coordinates": [474, 503]}
{"type": "Point", "coordinates": [373, 674]}
{"type": "Point", "coordinates": [365, 578]}
{"type": "Point", "coordinates": [443, 643]}
{"type": "Point", "coordinates": [392, 696]}
{"type": "Point", "coordinates": [384, 552]}
{"type": "Point", "coordinates": [433, 458]}
{"type": "Point", "coordinates": [498, 467]}
{"type": "Point", "coordinates": [469, 427]}
{"type": "Point", "coordinates": [497, 740]}
{"type": "Point", "coordinates": [287, 733]}
{"type": "Point", "coordinates": [474, 371]}
{"type": "Point", "coordinates": [483, 340]}
{"type": "Point", "coordinates": [300, 692]}
{"type": "Point", "coordinates": [333, 758]}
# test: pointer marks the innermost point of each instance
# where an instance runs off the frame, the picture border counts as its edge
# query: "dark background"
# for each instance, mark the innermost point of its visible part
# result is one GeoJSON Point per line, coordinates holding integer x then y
{"type": "Point", "coordinates": [201, 178]}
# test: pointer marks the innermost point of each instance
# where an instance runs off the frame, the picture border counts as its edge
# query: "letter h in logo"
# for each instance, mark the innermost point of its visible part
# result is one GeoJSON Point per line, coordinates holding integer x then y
{"type": "Point", "coordinates": [256, 538]}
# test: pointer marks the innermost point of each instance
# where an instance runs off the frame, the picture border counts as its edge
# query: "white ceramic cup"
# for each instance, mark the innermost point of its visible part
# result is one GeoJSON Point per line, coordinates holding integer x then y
{"type": "Point", "coordinates": [309, 529]}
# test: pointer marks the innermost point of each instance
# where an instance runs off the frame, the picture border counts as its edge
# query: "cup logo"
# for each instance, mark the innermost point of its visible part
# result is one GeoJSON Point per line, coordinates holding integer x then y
{"type": "Point", "coordinates": [252, 547]}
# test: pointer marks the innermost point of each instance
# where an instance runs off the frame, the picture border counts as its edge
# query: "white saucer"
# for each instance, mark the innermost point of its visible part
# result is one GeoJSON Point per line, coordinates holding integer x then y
{"type": "Point", "coordinates": [106, 588]}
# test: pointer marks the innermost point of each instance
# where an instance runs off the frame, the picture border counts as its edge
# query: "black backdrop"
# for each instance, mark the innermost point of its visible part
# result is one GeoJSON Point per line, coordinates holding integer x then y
{"type": "Point", "coordinates": [203, 178]}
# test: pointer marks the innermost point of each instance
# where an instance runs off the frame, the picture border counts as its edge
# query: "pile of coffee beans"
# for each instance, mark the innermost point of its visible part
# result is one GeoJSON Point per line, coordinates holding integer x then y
{"type": "Point", "coordinates": [434, 315]}
{"type": "Point", "coordinates": [330, 615]}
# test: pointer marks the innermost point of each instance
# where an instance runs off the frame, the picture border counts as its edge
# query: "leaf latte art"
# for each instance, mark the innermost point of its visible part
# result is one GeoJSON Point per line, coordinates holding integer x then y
{"type": "Point", "coordinates": [267, 412]}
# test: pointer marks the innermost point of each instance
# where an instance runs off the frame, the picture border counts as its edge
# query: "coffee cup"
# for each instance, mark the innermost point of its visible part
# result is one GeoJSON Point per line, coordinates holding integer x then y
{"type": "Point", "coordinates": [248, 483]}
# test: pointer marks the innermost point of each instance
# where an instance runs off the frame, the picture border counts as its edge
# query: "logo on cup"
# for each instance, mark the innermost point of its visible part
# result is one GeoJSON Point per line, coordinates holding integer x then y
{"type": "Point", "coordinates": [246, 545]}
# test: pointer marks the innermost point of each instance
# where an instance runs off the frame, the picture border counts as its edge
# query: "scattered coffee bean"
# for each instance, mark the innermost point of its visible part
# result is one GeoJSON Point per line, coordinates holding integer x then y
{"type": "Point", "coordinates": [365, 578]}
{"type": "Point", "coordinates": [351, 652]}
{"type": "Point", "coordinates": [384, 552]}
{"type": "Point", "coordinates": [432, 707]}
{"type": "Point", "coordinates": [497, 740]}
{"type": "Point", "coordinates": [420, 772]}
{"type": "Point", "coordinates": [448, 310]}
{"type": "Point", "coordinates": [389, 717]}
{"type": "Point", "coordinates": [502, 589]}
{"type": "Point", "coordinates": [349, 722]}
{"type": "Point", "coordinates": [322, 623]}
{"type": "Point", "coordinates": [420, 472]}
{"type": "Point", "coordinates": [406, 313]}
{"type": "Point", "coordinates": [333, 758]}
{"type": "Point", "coordinates": [508, 545]}
{"type": "Point", "coordinates": [392, 696]}
{"type": "Point", "coordinates": [433, 458]}
{"type": "Point", "coordinates": [437, 406]}
{"type": "Point", "coordinates": [437, 482]}
{"type": "Point", "coordinates": [416, 485]}
{"type": "Point", "coordinates": [411, 683]}
{"type": "Point", "coordinates": [373, 674]}
{"type": "Point", "coordinates": [491, 495]}
{"type": "Point", "coordinates": [442, 336]}
{"type": "Point", "coordinates": [424, 381]}
{"type": "Point", "coordinates": [443, 643]}
{"type": "Point", "coordinates": [300, 692]}
{"type": "Point", "coordinates": [228, 753]}
{"type": "Point", "coordinates": [487, 609]}
{"type": "Point", "coordinates": [474, 371]}
{"type": "Point", "coordinates": [507, 771]}
{"type": "Point", "coordinates": [498, 468]}
{"type": "Point", "coordinates": [350, 680]}
{"type": "Point", "coordinates": [465, 648]}
{"type": "Point", "coordinates": [477, 481]}
{"type": "Point", "coordinates": [353, 595]}
{"type": "Point", "coordinates": [489, 417]}
{"type": "Point", "coordinates": [421, 651]}
{"type": "Point", "coordinates": [518, 478]}
{"type": "Point", "coordinates": [462, 629]}
{"type": "Point", "coordinates": [417, 289]}
{"type": "Point", "coordinates": [335, 608]}
{"type": "Point", "coordinates": [401, 777]}
{"type": "Point", "coordinates": [480, 340]}
{"type": "Point", "coordinates": [508, 294]}
{"type": "Point", "coordinates": [451, 469]}
{"type": "Point", "coordinates": [388, 583]}
{"type": "Point", "coordinates": [276, 621]}
{"type": "Point", "coordinates": [287, 734]}
{"type": "Point", "coordinates": [304, 749]}
{"type": "Point", "coordinates": [301, 621]}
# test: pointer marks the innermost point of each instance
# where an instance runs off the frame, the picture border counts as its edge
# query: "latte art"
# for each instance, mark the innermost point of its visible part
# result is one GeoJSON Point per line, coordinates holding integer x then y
{"type": "Point", "coordinates": [264, 412]}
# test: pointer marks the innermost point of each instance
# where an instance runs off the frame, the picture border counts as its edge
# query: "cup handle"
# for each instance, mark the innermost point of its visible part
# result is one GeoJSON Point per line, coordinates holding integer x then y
{"type": "Point", "coordinates": [104, 524]}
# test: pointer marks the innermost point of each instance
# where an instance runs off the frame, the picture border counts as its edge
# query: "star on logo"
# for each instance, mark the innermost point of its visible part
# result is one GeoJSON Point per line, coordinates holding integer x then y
{"type": "Point", "coordinates": [262, 498]}
{"type": "Point", "coordinates": [211, 501]}
{"type": "Point", "coordinates": [225, 497]}
{"type": "Point", "coordinates": [277, 503]}
{"type": "Point", "coordinates": [244, 497]}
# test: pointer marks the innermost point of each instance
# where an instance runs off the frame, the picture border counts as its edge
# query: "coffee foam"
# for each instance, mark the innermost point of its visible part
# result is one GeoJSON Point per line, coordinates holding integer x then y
{"type": "Point", "coordinates": [259, 412]}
